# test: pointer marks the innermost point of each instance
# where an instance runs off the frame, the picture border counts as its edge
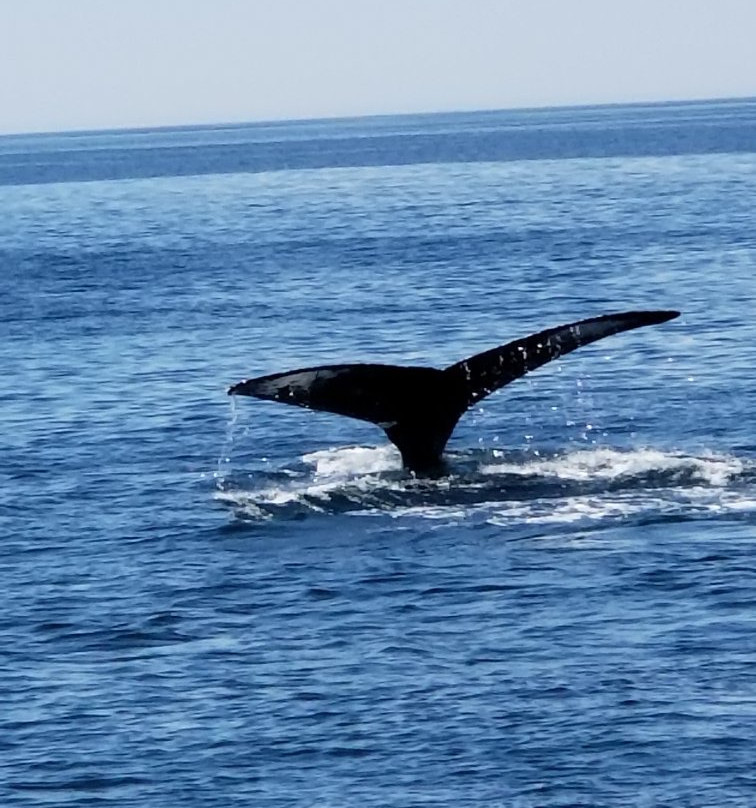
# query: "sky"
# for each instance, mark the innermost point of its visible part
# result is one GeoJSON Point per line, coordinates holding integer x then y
{"type": "Point", "coordinates": [97, 64]}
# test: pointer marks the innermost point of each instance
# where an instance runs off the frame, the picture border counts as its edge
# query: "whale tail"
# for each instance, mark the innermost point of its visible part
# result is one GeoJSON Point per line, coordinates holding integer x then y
{"type": "Point", "coordinates": [418, 407]}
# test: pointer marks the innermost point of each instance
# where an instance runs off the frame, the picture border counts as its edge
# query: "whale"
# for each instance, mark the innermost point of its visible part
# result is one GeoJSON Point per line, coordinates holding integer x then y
{"type": "Point", "coordinates": [418, 407]}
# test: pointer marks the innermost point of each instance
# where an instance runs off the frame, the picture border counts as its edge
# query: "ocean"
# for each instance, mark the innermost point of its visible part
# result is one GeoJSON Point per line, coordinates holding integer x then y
{"type": "Point", "coordinates": [220, 601]}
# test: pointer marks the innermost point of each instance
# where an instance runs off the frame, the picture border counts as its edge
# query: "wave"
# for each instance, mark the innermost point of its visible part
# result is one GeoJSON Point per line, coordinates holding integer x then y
{"type": "Point", "coordinates": [578, 487]}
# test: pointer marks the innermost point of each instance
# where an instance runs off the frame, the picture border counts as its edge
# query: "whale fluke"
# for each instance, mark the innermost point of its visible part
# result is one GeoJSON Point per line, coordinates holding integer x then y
{"type": "Point", "coordinates": [418, 407]}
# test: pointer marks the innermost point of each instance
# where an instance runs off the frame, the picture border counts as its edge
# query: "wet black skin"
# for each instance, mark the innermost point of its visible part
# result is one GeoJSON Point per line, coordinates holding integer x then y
{"type": "Point", "coordinates": [418, 407]}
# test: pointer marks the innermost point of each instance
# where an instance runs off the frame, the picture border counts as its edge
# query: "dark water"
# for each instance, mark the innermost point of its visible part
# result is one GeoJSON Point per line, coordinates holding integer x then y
{"type": "Point", "coordinates": [253, 605]}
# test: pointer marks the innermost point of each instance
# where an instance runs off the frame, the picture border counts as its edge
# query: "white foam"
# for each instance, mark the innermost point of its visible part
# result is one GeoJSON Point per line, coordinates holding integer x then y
{"type": "Point", "coordinates": [359, 480]}
{"type": "Point", "coordinates": [353, 460]}
{"type": "Point", "coordinates": [610, 464]}
{"type": "Point", "coordinates": [590, 509]}
{"type": "Point", "coordinates": [351, 470]}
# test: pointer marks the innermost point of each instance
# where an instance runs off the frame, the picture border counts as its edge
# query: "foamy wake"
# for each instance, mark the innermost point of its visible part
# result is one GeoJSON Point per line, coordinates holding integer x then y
{"type": "Point", "coordinates": [572, 488]}
{"type": "Point", "coordinates": [589, 510]}
{"type": "Point", "coordinates": [612, 464]}
{"type": "Point", "coordinates": [345, 475]}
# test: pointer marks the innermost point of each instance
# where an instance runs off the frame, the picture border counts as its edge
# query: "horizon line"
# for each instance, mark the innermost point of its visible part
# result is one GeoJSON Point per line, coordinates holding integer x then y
{"type": "Point", "coordinates": [231, 124]}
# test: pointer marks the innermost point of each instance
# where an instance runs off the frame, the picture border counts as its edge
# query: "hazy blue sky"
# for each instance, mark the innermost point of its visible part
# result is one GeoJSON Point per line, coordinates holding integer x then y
{"type": "Point", "coordinates": [70, 64]}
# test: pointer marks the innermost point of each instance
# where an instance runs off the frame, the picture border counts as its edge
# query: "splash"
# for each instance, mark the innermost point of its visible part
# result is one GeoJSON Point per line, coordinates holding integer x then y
{"type": "Point", "coordinates": [223, 466]}
{"type": "Point", "coordinates": [353, 461]}
{"type": "Point", "coordinates": [571, 488]}
{"type": "Point", "coordinates": [613, 464]}
{"type": "Point", "coordinates": [333, 480]}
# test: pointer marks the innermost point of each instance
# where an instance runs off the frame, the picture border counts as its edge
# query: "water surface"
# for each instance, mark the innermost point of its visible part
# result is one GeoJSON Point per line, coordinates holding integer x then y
{"type": "Point", "coordinates": [208, 602]}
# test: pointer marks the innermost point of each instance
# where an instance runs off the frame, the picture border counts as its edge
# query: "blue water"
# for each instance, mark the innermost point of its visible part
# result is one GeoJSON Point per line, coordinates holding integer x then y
{"type": "Point", "coordinates": [209, 602]}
